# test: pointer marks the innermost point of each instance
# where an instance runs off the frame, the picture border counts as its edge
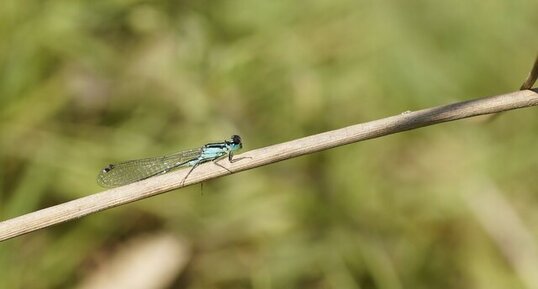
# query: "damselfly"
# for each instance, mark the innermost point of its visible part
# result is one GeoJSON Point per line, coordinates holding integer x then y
{"type": "Point", "coordinates": [120, 174]}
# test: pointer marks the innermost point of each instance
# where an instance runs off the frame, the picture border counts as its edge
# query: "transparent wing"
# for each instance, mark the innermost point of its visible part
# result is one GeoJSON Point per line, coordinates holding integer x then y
{"type": "Point", "coordinates": [120, 174]}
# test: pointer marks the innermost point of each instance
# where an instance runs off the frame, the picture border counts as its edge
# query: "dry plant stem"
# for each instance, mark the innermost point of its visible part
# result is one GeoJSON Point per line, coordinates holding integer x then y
{"type": "Point", "coordinates": [264, 156]}
{"type": "Point", "coordinates": [533, 75]}
{"type": "Point", "coordinates": [529, 82]}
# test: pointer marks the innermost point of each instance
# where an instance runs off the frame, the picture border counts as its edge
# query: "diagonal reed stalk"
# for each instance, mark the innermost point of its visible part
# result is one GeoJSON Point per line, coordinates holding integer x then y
{"type": "Point", "coordinates": [263, 156]}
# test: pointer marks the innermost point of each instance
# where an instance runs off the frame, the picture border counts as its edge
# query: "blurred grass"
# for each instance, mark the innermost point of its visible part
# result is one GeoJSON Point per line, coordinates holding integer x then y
{"type": "Point", "coordinates": [85, 83]}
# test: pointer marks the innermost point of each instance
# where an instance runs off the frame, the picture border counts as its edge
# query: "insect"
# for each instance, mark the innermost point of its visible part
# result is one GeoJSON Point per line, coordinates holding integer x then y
{"type": "Point", "coordinates": [115, 175]}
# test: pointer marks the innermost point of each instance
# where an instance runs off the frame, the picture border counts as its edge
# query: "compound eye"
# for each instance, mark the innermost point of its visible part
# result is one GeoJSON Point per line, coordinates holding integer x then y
{"type": "Point", "coordinates": [236, 139]}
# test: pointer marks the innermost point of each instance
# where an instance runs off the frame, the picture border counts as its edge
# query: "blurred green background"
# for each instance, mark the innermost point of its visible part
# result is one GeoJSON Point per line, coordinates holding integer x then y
{"type": "Point", "coordinates": [86, 83]}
